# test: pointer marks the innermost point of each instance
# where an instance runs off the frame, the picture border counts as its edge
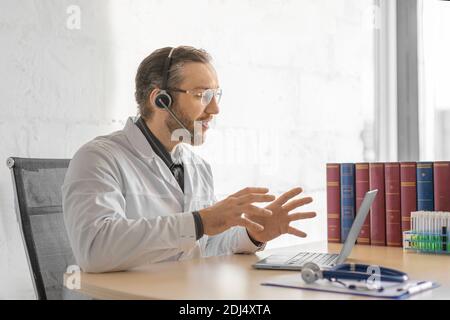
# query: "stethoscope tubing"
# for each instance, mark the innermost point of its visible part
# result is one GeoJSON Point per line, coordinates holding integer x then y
{"type": "Point", "coordinates": [360, 272]}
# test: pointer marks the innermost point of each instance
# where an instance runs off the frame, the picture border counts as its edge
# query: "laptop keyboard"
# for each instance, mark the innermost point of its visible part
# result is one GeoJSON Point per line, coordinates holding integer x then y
{"type": "Point", "coordinates": [318, 258]}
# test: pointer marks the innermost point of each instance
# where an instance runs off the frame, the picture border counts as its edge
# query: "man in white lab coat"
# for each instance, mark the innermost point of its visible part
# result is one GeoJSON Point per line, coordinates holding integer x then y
{"type": "Point", "coordinates": [140, 196]}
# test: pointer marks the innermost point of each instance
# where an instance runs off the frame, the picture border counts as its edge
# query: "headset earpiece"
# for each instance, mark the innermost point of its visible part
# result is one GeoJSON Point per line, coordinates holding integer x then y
{"type": "Point", "coordinates": [163, 100]}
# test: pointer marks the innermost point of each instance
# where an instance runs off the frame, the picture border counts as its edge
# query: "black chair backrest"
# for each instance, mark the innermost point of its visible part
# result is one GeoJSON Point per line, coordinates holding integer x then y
{"type": "Point", "coordinates": [37, 185]}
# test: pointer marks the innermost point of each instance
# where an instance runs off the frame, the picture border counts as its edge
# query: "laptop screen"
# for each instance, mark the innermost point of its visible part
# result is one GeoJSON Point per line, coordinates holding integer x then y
{"type": "Point", "coordinates": [357, 225]}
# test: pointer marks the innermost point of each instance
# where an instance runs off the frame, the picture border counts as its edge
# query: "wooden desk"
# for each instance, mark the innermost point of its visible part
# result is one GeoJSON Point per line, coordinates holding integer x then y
{"type": "Point", "coordinates": [232, 277]}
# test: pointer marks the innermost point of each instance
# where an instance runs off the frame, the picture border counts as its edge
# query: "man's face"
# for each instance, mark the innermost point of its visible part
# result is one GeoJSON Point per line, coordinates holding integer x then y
{"type": "Point", "coordinates": [189, 108]}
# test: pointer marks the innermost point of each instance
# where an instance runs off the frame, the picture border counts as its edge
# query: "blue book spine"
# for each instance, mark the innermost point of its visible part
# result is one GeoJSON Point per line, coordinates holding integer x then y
{"type": "Point", "coordinates": [425, 189]}
{"type": "Point", "coordinates": [347, 198]}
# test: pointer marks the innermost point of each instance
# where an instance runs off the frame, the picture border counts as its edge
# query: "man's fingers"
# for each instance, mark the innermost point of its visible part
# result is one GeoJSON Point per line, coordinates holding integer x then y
{"type": "Point", "coordinates": [254, 210]}
{"type": "Point", "coordinates": [297, 203]}
{"type": "Point", "coordinates": [296, 232]}
{"type": "Point", "coordinates": [250, 190]}
{"type": "Point", "coordinates": [301, 215]}
{"type": "Point", "coordinates": [255, 197]}
{"type": "Point", "coordinates": [287, 195]}
{"type": "Point", "coordinates": [249, 224]}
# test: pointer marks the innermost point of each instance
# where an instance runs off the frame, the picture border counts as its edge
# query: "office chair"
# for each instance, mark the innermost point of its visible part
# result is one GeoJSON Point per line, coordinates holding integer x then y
{"type": "Point", "coordinates": [38, 203]}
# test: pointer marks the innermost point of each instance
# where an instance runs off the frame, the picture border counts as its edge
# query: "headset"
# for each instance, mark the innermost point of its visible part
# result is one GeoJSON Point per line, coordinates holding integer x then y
{"type": "Point", "coordinates": [163, 99]}
{"type": "Point", "coordinates": [311, 272]}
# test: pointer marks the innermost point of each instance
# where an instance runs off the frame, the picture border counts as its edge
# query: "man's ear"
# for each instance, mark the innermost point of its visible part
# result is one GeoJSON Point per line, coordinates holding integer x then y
{"type": "Point", "coordinates": [151, 98]}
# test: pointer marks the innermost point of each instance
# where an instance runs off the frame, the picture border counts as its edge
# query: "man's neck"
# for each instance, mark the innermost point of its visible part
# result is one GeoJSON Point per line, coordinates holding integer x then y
{"type": "Point", "coordinates": [160, 131]}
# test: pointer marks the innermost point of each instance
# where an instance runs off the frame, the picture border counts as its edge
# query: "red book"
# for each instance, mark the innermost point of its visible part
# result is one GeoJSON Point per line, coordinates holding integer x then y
{"type": "Point", "coordinates": [393, 215]}
{"type": "Point", "coordinates": [362, 186]}
{"type": "Point", "coordinates": [408, 193]}
{"type": "Point", "coordinates": [334, 202]}
{"type": "Point", "coordinates": [378, 212]}
{"type": "Point", "coordinates": [441, 185]}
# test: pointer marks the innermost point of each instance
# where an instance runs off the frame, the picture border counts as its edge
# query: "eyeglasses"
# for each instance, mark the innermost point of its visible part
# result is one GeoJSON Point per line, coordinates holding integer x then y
{"type": "Point", "coordinates": [205, 95]}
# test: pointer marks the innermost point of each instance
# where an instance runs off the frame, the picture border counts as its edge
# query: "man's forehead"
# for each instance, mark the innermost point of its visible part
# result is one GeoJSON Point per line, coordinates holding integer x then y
{"type": "Point", "coordinates": [199, 75]}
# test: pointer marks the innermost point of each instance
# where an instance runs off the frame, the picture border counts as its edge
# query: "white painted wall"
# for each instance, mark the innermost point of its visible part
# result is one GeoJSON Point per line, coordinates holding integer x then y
{"type": "Point", "coordinates": [297, 78]}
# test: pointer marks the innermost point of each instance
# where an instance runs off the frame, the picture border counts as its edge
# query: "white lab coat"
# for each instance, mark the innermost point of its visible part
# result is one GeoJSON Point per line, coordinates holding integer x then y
{"type": "Point", "coordinates": [123, 207]}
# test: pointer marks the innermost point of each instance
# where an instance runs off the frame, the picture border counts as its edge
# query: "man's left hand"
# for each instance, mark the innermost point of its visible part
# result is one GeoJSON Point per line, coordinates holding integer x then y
{"type": "Point", "coordinates": [278, 223]}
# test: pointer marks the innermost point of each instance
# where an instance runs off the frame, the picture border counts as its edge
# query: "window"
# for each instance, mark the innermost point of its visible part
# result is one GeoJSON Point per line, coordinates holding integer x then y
{"type": "Point", "coordinates": [434, 62]}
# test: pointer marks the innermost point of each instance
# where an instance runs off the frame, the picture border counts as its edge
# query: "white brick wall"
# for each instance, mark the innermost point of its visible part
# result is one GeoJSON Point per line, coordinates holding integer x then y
{"type": "Point", "coordinates": [297, 79]}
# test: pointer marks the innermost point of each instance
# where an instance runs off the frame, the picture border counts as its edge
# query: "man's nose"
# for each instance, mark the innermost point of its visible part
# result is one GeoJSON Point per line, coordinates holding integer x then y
{"type": "Point", "coordinates": [212, 107]}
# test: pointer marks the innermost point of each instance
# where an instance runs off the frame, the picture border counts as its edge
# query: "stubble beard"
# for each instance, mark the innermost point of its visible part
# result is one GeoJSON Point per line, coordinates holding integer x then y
{"type": "Point", "coordinates": [178, 133]}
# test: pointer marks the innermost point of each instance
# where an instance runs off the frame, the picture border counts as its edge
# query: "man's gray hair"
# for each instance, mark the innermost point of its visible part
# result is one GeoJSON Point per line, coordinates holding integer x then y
{"type": "Point", "coordinates": [150, 72]}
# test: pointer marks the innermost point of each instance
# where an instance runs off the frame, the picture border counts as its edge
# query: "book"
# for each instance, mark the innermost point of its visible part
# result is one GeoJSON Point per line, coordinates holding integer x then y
{"type": "Point", "coordinates": [378, 211]}
{"type": "Point", "coordinates": [408, 193]}
{"type": "Point", "coordinates": [334, 202]}
{"type": "Point", "coordinates": [361, 187]}
{"type": "Point", "coordinates": [441, 177]}
{"type": "Point", "coordinates": [392, 198]}
{"type": "Point", "coordinates": [347, 198]}
{"type": "Point", "coordinates": [425, 187]}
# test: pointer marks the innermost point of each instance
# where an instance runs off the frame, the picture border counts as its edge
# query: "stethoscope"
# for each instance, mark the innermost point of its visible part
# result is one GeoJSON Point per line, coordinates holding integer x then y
{"type": "Point", "coordinates": [311, 272]}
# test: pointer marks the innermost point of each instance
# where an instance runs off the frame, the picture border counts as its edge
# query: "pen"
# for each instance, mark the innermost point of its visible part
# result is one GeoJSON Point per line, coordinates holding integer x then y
{"type": "Point", "coordinates": [420, 287]}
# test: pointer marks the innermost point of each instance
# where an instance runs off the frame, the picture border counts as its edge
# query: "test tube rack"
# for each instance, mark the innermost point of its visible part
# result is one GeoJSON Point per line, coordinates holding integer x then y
{"type": "Point", "coordinates": [426, 242]}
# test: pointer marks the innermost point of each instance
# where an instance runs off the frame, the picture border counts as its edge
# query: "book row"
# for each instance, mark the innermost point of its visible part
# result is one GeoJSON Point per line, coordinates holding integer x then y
{"type": "Point", "coordinates": [403, 187]}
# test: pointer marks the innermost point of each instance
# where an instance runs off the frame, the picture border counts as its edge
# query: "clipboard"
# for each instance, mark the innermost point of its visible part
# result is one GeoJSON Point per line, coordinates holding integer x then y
{"type": "Point", "coordinates": [390, 290]}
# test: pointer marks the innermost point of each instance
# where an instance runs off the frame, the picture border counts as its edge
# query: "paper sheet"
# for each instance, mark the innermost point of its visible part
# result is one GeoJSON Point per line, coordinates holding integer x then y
{"type": "Point", "coordinates": [391, 290]}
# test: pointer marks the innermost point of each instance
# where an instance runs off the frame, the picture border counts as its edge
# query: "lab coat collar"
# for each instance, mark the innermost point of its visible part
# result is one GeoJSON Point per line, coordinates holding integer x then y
{"type": "Point", "coordinates": [143, 148]}
{"type": "Point", "coordinates": [137, 139]}
{"type": "Point", "coordinates": [141, 145]}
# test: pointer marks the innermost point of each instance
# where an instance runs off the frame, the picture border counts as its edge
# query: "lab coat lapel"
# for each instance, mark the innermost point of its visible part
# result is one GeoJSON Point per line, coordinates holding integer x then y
{"type": "Point", "coordinates": [189, 191]}
{"type": "Point", "coordinates": [157, 165]}
{"type": "Point", "coordinates": [194, 195]}
{"type": "Point", "coordinates": [167, 175]}
{"type": "Point", "coordinates": [189, 173]}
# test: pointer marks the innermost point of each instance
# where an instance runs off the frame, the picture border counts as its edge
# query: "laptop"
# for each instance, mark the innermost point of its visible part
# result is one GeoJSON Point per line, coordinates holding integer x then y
{"type": "Point", "coordinates": [323, 260]}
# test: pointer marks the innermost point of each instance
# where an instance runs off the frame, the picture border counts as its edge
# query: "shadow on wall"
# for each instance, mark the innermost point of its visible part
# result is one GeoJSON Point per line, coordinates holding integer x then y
{"type": "Point", "coordinates": [57, 69]}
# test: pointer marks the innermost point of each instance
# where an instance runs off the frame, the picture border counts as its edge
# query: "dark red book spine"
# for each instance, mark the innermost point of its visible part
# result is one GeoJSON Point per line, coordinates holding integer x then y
{"type": "Point", "coordinates": [378, 213]}
{"type": "Point", "coordinates": [362, 186]}
{"type": "Point", "coordinates": [441, 185]}
{"type": "Point", "coordinates": [393, 215]}
{"type": "Point", "coordinates": [334, 202]}
{"type": "Point", "coordinates": [408, 193]}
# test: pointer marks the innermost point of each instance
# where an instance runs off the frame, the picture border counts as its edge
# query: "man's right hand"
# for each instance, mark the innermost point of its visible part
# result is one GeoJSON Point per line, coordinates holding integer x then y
{"type": "Point", "coordinates": [236, 210]}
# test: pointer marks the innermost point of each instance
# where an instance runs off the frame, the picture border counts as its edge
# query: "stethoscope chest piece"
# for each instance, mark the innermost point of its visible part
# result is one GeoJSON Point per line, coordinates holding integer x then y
{"type": "Point", "coordinates": [311, 272]}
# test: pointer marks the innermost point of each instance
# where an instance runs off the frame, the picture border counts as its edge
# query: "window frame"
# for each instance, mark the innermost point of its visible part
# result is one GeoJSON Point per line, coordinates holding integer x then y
{"type": "Point", "coordinates": [396, 80]}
